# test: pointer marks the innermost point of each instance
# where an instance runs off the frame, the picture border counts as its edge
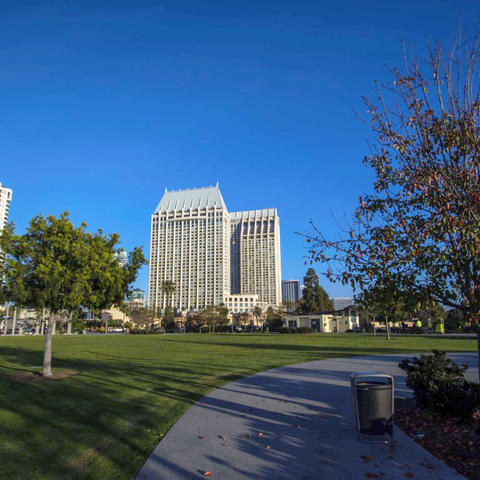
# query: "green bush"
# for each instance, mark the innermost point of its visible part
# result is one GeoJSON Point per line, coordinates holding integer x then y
{"type": "Point", "coordinates": [304, 330]}
{"type": "Point", "coordinates": [275, 325]}
{"type": "Point", "coordinates": [296, 330]}
{"type": "Point", "coordinates": [439, 384]}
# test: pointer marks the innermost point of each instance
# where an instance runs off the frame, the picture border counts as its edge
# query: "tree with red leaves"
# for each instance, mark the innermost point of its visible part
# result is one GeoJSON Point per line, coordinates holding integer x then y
{"type": "Point", "coordinates": [419, 229]}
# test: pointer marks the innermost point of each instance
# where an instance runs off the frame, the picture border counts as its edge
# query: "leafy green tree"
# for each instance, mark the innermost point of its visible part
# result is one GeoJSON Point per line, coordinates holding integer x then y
{"type": "Point", "coordinates": [59, 267]}
{"type": "Point", "coordinates": [138, 315]}
{"type": "Point", "coordinates": [454, 320]}
{"type": "Point", "coordinates": [314, 297]}
{"type": "Point", "coordinates": [420, 226]}
{"type": "Point", "coordinates": [214, 316]}
{"type": "Point", "coordinates": [385, 302]}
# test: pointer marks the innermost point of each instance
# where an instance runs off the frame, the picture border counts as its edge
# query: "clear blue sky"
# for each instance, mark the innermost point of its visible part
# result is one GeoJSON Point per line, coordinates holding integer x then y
{"type": "Point", "coordinates": [104, 104]}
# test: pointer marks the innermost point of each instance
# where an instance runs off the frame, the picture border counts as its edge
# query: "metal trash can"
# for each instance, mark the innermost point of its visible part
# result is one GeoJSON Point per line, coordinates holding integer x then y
{"type": "Point", "coordinates": [373, 399]}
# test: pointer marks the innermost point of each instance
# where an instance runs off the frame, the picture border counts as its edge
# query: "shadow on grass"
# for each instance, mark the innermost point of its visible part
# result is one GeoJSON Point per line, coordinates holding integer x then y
{"type": "Point", "coordinates": [341, 350]}
{"type": "Point", "coordinates": [101, 424]}
{"type": "Point", "coordinates": [104, 422]}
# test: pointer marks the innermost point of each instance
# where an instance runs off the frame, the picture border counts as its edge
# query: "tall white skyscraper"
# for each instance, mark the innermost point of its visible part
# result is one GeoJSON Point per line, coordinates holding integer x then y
{"type": "Point", "coordinates": [5, 200]}
{"type": "Point", "coordinates": [190, 246]}
{"type": "Point", "coordinates": [209, 253]}
{"type": "Point", "coordinates": [255, 254]}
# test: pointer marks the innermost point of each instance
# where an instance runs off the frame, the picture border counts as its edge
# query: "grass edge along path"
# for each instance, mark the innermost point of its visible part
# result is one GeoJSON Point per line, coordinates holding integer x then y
{"type": "Point", "coordinates": [127, 391]}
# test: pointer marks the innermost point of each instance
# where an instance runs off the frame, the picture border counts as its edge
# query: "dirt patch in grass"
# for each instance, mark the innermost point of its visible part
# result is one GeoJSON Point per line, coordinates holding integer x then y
{"type": "Point", "coordinates": [28, 377]}
{"type": "Point", "coordinates": [455, 441]}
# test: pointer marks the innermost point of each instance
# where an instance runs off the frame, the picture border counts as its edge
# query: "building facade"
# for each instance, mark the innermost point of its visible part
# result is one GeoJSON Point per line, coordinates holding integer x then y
{"type": "Point", "coordinates": [290, 291]}
{"type": "Point", "coordinates": [209, 253]}
{"type": "Point", "coordinates": [340, 303]}
{"type": "Point", "coordinates": [255, 254]}
{"type": "Point", "coordinates": [5, 200]}
{"type": "Point", "coordinates": [190, 246]}
{"type": "Point", "coordinates": [136, 298]}
{"type": "Point", "coordinates": [324, 322]}
{"type": "Point", "coordinates": [238, 303]}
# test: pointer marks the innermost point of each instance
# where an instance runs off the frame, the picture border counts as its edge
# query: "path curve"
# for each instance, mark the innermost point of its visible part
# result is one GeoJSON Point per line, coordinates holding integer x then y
{"type": "Point", "coordinates": [291, 423]}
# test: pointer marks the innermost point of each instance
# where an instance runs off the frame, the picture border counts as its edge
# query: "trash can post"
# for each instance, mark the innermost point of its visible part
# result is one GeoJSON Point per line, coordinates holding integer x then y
{"type": "Point", "coordinates": [373, 398]}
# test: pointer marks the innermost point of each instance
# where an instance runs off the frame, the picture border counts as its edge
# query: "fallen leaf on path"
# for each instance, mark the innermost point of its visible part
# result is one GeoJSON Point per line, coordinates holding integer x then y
{"type": "Point", "coordinates": [206, 474]}
{"type": "Point", "coordinates": [371, 475]}
{"type": "Point", "coordinates": [409, 475]}
{"type": "Point", "coordinates": [368, 458]}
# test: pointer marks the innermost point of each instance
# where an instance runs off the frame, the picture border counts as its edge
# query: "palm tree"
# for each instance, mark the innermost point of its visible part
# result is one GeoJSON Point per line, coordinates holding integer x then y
{"type": "Point", "coordinates": [169, 288]}
{"type": "Point", "coordinates": [257, 313]}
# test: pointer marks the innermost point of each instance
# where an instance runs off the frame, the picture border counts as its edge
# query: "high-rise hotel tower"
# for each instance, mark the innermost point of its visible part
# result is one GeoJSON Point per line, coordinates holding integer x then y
{"type": "Point", "coordinates": [255, 254]}
{"type": "Point", "coordinates": [209, 253]}
{"type": "Point", "coordinates": [5, 200]}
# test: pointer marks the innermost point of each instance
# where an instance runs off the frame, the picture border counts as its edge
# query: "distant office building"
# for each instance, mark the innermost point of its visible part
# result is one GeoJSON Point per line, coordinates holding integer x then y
{"type": "Point", "coordinates": [342, 302]}
{"type": "Point", "coordinates": [209, 253]}
{"type": "Point", "coordinates": [122, 257]}
{"type": "Point", "coordinates": [136, 298]}
{"type": "Point", "coordinates": [290, 291]}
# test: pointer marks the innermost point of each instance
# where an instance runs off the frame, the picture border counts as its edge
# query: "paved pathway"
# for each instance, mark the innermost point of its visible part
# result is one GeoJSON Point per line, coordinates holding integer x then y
{"type": "Point", "coordinates": [291, 423]}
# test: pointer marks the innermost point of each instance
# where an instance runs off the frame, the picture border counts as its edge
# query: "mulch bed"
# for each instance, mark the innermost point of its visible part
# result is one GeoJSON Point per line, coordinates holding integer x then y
{"type": "Point", "coordinates": [450, 439]}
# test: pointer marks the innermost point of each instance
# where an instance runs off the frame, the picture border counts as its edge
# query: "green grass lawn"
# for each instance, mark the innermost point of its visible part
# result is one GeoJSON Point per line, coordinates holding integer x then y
{"type": "Point", "coordinates": [104, 422]}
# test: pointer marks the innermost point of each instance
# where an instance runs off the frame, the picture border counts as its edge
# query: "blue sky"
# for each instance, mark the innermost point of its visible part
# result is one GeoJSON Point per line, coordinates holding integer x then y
{"type": "Point", "coordinates": [104, 104]}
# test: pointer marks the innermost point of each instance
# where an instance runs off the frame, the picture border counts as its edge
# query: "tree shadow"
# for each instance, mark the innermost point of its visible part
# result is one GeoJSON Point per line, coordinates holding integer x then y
{"type": "Point", "coordinates": [288, 423]}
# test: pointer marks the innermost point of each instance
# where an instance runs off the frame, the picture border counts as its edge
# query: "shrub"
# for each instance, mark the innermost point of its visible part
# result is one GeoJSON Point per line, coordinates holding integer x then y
{"type": "Point", "coordinates": [296, 330]}
{"type": "Point", "coordinates": [439, 384]}
{"type": "Point", "coordinates": [304, 330]}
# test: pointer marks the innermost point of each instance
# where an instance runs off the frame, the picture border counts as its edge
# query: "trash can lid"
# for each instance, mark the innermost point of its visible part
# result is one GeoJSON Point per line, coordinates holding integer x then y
{"type": "Point", "coordinates": [373, 386]}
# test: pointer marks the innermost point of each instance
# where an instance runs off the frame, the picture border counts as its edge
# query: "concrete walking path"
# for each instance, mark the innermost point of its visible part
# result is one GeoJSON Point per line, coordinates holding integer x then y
{"type": "Point", "coordinates": [291, 423]}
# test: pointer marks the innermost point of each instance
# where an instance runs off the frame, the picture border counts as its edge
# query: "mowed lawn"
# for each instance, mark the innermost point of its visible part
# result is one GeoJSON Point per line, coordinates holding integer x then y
{"type": "Point", "coordinates": [103, 422]}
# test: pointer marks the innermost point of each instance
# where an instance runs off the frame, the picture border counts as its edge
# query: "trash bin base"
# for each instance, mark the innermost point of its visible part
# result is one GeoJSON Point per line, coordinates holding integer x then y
{"type": "Point", "coordinates": [375, 439]}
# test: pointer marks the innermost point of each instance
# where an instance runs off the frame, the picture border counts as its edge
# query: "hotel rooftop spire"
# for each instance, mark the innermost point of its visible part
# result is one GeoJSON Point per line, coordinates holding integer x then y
{"type": "Point", "coordinates": [191, 199]}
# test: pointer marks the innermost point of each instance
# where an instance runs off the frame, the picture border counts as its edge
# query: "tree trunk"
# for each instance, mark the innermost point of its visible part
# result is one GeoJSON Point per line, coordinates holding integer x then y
{"type": "Point", "coordinates": [47, 351]}
{"type": "Point", "coordinates": [69, 327]}
{"type": "Point", "coordinates": [478, 343]}
{"type": "Point", "coordinates": [5, 329]}
{"type": "Point", "coordinates": [54, 325]}
{"type": "Point", "coordinates": [37, 327]}
{"type": "Point", "coordinates": [388, 327]}
{"type": "Point", "coordinates": [14, 323]}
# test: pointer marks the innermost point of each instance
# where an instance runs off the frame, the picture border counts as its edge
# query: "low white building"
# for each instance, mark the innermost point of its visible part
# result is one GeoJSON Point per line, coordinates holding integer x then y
{"type": "Point", "coordinates": [241, 303]}
{"type": "Point", "coordinates": [324, 322]}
